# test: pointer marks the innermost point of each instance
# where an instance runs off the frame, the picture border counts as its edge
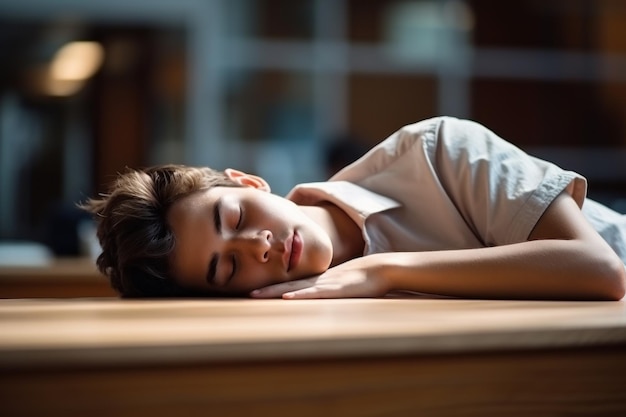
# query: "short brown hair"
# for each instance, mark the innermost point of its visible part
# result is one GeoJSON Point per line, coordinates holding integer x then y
{"type": "Point", "coordinates": [136, 239]}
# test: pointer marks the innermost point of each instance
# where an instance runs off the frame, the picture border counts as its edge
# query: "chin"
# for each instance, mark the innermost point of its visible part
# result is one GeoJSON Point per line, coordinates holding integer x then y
{"type": "Point", "coordinates": [316, 260]}
{"type": "Point", "coordinates": [310, 272]}
{"type": "Point", "coordinates": [323, 267]}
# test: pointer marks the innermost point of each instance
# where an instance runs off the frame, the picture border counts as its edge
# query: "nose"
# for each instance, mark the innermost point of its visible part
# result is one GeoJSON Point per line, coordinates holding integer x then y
{"type": "Point", "coordinates": [256, 244]}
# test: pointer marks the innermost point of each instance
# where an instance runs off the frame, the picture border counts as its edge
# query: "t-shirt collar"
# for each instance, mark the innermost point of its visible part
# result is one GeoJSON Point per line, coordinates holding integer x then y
{"type": "Point", "coordinates": [356, 201]}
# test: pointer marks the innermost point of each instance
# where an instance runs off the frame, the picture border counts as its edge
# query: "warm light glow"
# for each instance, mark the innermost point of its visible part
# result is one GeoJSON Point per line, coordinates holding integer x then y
{"type": "Point", "coordinates": [76, 61]}
{"type": "Point", "coordinates": [62, 88]}
{"type": "Point", "coordinates": [39, 80]}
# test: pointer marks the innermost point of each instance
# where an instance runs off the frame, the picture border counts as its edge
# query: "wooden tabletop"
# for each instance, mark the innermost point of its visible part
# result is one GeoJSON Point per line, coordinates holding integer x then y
{"type": "Point", "coordinates": [105, 331]}
{"type": "Point", "coordinates": [61, 278]}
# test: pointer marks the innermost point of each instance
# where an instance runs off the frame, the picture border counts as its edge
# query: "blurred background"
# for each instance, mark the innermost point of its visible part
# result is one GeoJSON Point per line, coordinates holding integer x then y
{"type": "Point", "coordinates": [289, 90]}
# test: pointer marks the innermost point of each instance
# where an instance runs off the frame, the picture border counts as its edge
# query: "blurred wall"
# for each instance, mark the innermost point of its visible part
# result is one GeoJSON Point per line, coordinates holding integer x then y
{"type": "Point", "coordinates": [269, 85]}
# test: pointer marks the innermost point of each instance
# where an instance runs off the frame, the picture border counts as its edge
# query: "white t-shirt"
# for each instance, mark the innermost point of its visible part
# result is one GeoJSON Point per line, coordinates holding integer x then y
{"type": "Point", "coordinates": [445, 183]}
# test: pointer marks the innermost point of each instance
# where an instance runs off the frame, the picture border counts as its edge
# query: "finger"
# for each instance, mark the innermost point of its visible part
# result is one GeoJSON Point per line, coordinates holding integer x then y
{"type": "Point", "coordinates": [310, 293]}
{"type": "Point", "coordinates": [277, 290]}
{"type": "Point", "coordinates": [272, 291]}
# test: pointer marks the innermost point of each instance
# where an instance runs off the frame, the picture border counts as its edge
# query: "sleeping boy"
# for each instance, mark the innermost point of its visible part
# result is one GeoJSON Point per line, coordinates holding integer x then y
{"type": "Point", "coordinates": [443, 206]}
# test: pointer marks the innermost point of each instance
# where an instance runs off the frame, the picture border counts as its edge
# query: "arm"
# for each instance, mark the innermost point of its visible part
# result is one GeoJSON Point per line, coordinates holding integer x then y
{"type": "Point", "coordinates": [564, 258]}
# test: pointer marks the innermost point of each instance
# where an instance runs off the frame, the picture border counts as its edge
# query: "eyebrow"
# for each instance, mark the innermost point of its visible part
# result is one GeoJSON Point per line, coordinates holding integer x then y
{"type": "Point", "coordinates": [217, 223]}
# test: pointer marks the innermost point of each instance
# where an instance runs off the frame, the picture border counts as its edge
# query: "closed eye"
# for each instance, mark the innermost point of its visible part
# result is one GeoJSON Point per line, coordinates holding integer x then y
{"type": "Point", "coordinates": [234, 268]}
{"type": "Point", "coordinates": [241, 215]}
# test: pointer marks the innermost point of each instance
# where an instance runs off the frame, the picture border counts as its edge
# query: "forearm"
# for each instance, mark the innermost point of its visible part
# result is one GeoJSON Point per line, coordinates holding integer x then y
{"type": "Point", "coordinates": [564, 259]}
{"type": "Point", "coordinates": [546, 269]}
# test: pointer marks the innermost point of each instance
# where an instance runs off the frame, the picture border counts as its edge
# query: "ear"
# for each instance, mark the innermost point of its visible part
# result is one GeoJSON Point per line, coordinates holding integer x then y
{"type": "Point", "coordinates": [246, 179]}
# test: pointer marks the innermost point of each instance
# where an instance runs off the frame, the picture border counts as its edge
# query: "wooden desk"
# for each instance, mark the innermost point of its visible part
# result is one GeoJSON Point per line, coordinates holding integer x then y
{"type": "Point", "coordinates": [63, 278]}
{"type": "Point", "coordinates": [372, 357]}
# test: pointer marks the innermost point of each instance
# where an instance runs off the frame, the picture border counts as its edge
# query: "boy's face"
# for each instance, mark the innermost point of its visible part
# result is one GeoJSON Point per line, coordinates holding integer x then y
{"type": "Point", "coordinates": [235, 240]}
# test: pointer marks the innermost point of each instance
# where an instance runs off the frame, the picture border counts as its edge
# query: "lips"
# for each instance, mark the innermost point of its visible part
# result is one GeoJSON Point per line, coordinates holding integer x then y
{"type": "Point", "coordinates": [293, 251]}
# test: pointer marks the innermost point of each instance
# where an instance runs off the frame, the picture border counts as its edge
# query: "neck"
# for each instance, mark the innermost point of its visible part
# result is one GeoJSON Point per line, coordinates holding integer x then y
{"type": "Point", "coordinates": [345, 236]}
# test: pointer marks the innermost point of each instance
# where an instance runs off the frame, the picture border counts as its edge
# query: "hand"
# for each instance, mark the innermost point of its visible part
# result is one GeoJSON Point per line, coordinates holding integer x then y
{"type": "Point", "coordinates": [359, 277]}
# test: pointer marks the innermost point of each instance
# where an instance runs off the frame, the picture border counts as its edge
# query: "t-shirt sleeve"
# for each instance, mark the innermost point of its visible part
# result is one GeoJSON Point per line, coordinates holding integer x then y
{"type": "Point", "coordinates": [500, 190]}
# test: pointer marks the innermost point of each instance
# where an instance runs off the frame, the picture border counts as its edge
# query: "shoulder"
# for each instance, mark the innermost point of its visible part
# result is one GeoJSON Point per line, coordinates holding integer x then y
{"type": "Point", "coordinates": [443, 133]}
{"type": "Point", "coordinates": [425, 143]}
{"type": "Point", "coordinates": [423, 133]}
{"type": "Point", "coordinates": [417, 139]}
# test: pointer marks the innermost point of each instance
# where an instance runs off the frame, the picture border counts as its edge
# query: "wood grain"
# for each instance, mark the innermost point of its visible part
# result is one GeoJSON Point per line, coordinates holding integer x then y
{"type": "Point", "coordinates": [371, 357]}
{"type": "Point", "coordinates": [545, 383]}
